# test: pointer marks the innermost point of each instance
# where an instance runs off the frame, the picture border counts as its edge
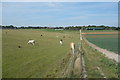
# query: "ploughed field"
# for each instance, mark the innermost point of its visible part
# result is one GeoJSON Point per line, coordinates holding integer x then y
{"type": "Point", "coordinates": [44, 59]}
{"type": "Point", "coordinates": [104, 39]}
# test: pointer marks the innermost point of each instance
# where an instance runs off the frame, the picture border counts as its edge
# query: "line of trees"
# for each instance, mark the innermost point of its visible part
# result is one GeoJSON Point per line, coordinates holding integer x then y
{"type": "Point", "coordinates": [89, 27]}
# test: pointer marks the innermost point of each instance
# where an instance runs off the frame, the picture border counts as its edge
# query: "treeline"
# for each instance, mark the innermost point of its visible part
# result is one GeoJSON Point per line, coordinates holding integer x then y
{"type": "Point", "coordinates": [92, 27]}
{"type": "Point", "coordinates": [89, 27]}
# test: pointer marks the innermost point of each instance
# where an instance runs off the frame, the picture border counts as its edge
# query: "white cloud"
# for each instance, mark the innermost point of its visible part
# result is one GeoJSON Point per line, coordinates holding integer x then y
{"type": "Point", "coordinates": [52, 4]}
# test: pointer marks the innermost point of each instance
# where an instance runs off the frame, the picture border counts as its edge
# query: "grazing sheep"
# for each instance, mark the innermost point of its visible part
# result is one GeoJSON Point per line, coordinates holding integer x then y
{"type": "Point", "coordinates": [31, 42]}
{"type": "Point", "coordinates": [19, 46]}
{"type": "Point", "coordinates": [61, 41]}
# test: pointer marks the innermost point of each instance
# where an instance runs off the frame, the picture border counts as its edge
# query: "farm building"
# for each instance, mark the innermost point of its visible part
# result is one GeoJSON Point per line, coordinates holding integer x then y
{"type": "Point", "coordinates": [58, 29]}
{"type": "Point", "coordinates": [95, 28]}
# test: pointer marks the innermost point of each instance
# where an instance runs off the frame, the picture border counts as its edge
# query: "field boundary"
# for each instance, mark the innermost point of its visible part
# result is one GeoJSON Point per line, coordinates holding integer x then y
{"type": "Point", "coordinates": [83, 70]}
{"type": "Point", "coordinates": [76, 55]}
{"type": "Point", "coordinates": [109, 54]}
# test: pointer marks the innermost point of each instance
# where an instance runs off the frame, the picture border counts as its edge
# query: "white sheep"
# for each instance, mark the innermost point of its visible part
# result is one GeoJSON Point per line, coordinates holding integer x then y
{"type": "Point", "coordinates": [61, 42]}
{"type": "Point", "coordinates": [31, 42]}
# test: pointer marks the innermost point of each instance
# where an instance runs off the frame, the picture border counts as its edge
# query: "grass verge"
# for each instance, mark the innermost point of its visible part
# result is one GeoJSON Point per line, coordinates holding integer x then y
{"type": "Point", "coordinates": [94, 59]}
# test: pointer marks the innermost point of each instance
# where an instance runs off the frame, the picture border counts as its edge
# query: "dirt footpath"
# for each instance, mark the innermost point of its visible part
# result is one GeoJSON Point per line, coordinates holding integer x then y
{"type": "Point", "coordinates": [109, 54]}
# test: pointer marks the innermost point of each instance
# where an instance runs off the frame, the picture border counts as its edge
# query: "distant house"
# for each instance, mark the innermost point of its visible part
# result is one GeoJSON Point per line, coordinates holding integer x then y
{"type": "Point", "coordinates": [95, 28]}
{"type": "Point", "coordinates": [59, 29]}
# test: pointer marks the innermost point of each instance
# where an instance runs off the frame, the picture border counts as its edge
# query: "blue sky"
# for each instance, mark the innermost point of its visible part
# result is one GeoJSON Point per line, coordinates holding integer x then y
{"type": "Point", "coordinates": [59, 13]}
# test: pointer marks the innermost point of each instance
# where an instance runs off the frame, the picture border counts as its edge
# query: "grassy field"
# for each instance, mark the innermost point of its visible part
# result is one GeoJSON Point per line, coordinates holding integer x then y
{"type": "Point", "coordinates": [94, 59]}
{"type": "Point", "coordinates": [106, 41]}
{"type": "Point", "coordinates": [44, 59]}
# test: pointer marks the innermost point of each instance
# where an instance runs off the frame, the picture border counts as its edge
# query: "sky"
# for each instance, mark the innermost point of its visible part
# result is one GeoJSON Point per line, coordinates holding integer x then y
{"type": "Point", "coordinates": [59, 13]}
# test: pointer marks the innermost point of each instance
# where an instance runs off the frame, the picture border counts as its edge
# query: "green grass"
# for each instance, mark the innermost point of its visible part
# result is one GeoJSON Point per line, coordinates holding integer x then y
{"type": "Point", "coordinates": [60, 31]}
{"type": "Point", "coordinates": [110, 44]}
{"type": "Point", "coordinates": [45, 58]}
{"type": "Point", "coordinates": [94, 59]}
{"type": "Point", "coordinates": [38, 61]}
